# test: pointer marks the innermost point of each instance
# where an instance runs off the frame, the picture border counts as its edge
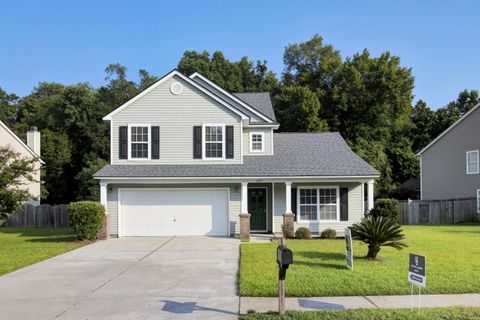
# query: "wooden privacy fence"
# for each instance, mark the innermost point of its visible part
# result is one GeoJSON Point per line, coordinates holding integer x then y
{"type": "Point", "coordinates": [42, 216]}
{"type": "Point", "coordinates": [449, 211]}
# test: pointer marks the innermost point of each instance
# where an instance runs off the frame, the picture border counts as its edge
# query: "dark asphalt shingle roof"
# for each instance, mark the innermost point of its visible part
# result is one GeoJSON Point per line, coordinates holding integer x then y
{"type": "Point", "coordinates": [260, 101]}
{"type": "Point", "coordinates": [295, 154]}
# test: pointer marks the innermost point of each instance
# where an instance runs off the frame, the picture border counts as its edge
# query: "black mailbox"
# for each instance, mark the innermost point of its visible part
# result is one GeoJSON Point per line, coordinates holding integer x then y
{"type": "Point", "coordinates": [284, 257]}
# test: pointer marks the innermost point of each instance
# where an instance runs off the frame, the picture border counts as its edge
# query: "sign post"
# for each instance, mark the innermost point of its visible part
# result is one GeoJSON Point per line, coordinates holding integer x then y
{"type": "Point", "coordinates": [349, 248]}
{"type": "Point", "coordinates": [417, 274]}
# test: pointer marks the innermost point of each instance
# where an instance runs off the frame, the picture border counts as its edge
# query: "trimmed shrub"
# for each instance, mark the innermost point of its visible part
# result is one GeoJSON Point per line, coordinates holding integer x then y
{"type": "Point", "coordinates": [386, 208]}
{"type": "Point", "coordinates": [303, 233]}
{"type": "Point", "coordinates": [328, 234]}
{"type": "Point", "coordinates": [86, 218]}
{"type": "Point", "coordinates": [287, 230]}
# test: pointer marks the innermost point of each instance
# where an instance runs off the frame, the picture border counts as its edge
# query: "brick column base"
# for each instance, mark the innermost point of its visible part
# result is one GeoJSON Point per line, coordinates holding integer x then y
{"type": "Point", "coordinates": [102, 234]}
{"type": "Point", "coordinates": [244, 225]}
{"type": "Point", "coordinates": [288, 220]}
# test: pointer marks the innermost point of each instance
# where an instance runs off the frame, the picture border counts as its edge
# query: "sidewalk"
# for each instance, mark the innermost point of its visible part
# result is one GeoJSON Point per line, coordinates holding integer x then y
{"type": "Point", "coordinates": [360, 302]}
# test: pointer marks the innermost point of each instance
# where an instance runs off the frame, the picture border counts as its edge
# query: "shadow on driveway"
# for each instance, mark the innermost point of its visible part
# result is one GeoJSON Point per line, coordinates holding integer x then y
{"type": "Point", "coordinates": [189, 307]}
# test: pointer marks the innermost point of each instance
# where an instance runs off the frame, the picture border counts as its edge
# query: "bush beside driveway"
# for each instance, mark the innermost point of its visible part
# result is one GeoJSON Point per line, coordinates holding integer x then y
{"type": "Point", "coordinates": [20, 247]}
{"type": "Point", "coordinates": [319, 267]}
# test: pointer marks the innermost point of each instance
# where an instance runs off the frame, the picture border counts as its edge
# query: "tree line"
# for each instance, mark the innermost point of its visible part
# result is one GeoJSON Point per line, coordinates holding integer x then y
{"type": "Point", "coordinates": [369, 100]}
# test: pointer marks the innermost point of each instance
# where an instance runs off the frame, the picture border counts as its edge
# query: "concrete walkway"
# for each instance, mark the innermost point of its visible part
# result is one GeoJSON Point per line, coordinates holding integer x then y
{"type": "Point", "coordinates": [129, 278]}
{"type": "Point", "coordinates": [360, 302]}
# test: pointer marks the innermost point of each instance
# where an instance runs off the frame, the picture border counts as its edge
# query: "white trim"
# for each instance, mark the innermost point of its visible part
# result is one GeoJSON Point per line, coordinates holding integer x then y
{"type": "Point", "coordinates": [233, 97]}
{"type": "Point", "coordinates": [111, 142]}
{"type": "Point", "coordinates": [229, 233]}
{"type": "Point", "coordinates": [421, 179]}
{"type": "Point", "coordinates": [271, 141]}
{"type": "Point", "coordinates": [478, 161]}
{"type": "Point", "coordinates": [103, 195]}
{"type": "Point", "coordinates": [204, 142]}
{"type": "Point", "coordinates": [165, 78]}
{"type": "Point", "coordinates": [149, 142]}
{"type": "Point", "coordinates": [478, 200]}
{"type": "Point", "coordinates": [448, 129]}
{"type": "Point", "coordinates": [246, 179]}
{"type": "Point", "coordinates": [273, 207]}
{"type": "Point", "coordinates": [260, 133]}
{"type": "Point", "coordinates": [262, 125]}
{"type": "Point", "coordinates": [266, 209]}
{"type": "Point", "coordinates": [362, 198]}
{"type": "Point", "coordinates": [241, 143]}
{"type": "Point", "coordinates": [23, 144]}
{"type": "Point", "coordinates": [337, 188]}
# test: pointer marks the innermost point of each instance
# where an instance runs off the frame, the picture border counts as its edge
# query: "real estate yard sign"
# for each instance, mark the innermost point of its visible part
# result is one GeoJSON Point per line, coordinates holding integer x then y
{"type": "Point", "coordinates": [416, 270]}
{"type": "Point", "coordinates": [348, 247]}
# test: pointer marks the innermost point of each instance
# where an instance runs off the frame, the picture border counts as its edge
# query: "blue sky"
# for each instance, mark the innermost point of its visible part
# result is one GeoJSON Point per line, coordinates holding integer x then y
{"type": "Point", "coordinates": [73, 41]}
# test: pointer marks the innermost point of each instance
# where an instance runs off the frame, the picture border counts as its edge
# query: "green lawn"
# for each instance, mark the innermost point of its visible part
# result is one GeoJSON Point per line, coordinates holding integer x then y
{"type": "Point", "coordinates": [20, 247]}
{"type": "Point", "coordinates": [453, 265]}
{"type": "Point", "coordinates": [377, 314]}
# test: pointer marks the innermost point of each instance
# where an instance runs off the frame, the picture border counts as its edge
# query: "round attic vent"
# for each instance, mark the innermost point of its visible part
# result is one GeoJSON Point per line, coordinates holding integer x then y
{"type": "Point", "coordinates": [176, 88]}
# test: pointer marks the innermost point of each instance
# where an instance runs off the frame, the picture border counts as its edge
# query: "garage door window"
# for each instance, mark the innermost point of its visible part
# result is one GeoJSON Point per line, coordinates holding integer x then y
{"type": "Point", "coordinates": [139, 142]}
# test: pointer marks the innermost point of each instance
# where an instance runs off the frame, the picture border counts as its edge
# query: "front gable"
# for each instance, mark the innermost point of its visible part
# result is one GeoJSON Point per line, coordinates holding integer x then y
{"type": "Point", "coordinates": [175, 105]}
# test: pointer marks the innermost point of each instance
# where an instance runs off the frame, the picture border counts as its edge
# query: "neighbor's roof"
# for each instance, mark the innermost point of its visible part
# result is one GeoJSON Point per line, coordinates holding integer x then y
{"type": "Point", "coordinates": [448, 129]}
{"type": "Point", "coordinates": [23, 144]}
{"type": "Point", "coordinates": [260, 101]}
{"type": "Point", "coordinates": [295, 155]}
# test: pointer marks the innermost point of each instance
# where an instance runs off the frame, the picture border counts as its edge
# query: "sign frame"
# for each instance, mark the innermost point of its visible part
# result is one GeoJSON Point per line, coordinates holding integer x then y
{"type": "Point", "coordinates": [348, 248]}
{"type": "Point", "coordinates": [417, 268]}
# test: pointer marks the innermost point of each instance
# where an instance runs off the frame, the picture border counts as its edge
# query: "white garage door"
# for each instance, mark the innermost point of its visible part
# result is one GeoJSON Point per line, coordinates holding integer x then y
{"type": "Point", "coordinates": [181, 212]}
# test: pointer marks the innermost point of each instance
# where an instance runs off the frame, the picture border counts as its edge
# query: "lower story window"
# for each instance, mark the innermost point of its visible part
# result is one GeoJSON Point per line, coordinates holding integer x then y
{"type": "Point", "coordinates": [316, 204]}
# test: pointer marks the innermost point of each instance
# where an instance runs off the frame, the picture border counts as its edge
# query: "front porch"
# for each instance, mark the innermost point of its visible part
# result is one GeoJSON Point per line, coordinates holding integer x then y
{"type": "Point", "coordinates": [321, 204]}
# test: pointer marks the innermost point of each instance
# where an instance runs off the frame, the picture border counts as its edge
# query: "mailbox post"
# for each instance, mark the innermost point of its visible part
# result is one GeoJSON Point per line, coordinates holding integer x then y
{"type": "Point", "coordinates": [284, 259]}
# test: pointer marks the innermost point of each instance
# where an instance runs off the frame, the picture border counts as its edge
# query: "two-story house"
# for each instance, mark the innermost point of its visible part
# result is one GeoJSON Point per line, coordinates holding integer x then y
{"type": "Point", "coordinates": [450, 164]}
{"type": "Point", "coordinates": [190, 158]}
{"type": "Point", "coordinates": [29, 150]}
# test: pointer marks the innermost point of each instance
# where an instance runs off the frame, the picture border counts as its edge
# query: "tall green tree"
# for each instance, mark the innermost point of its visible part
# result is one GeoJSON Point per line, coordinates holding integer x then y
{"type": "Point", "coordinates": [297, 108]}
{"type": "Point", "coordinates": [235, 76]}
{"type": "Point", "coordinates": [8, 107]}
{"type": "Point", "coordinates": [15, 172]}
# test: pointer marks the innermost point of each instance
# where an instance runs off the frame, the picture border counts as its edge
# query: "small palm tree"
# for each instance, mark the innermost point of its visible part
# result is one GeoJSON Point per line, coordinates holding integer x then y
{"type": "Point", "coordinates": [378, 232]}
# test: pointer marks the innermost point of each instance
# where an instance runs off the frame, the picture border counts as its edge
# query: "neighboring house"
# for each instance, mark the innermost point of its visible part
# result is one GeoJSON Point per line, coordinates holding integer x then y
{"type": "Point", "coordinates": [450, 164]}
{"type": "Point", "coordinates": [31, 149]}
{"type": "Point", "coordinates": [187, 158]}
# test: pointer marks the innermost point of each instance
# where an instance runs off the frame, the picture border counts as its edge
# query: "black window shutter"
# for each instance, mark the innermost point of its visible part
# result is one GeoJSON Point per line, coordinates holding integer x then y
{"type": "Point", "coordinates": [155, 142]}
{"type": "Point", "coordinates": [197, 142]}
{"type": "Point", "coordinates": [123, 142]}
{"type": "Point", "coordinates": [294, 202]}
{"type": "Point", "coordinates": [229, 142]}
{"type": "Point", "coordinates": [343, 204]}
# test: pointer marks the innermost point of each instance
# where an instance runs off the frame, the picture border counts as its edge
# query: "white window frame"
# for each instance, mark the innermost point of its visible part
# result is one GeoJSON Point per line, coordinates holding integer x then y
{"type": "Point", "coordinates": [204, 142]}
{"type": "Point", "coordinates": [478, 161]}
{"type": "Point", "coordinates": [251, 141]}
{"type": "Point", "coordinates": [149, 142]}
{"type": "Point", "coordinates": [478, 200]}
{"type": "Point", "coordinates": [337, 188]}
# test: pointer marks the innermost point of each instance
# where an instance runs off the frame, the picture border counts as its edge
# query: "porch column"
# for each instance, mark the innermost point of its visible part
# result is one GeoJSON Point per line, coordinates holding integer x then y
{"type": "Point", "coordinates": [103, 195]}
{"type": "Point", "coordinates": [244, 215]}
{"type": "Point", "coordinates": [288, 216]}
{"type": "Point", "coordinates": [370, 195]}
{"type": "Point", "coordinates": [288, 197]}
{"type": "Point", "coordinates": [102, 234]}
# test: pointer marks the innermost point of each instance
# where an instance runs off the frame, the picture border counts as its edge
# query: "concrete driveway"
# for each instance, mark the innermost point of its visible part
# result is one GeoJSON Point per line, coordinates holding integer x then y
{"type": "Point", "coordinates": [129, 278]}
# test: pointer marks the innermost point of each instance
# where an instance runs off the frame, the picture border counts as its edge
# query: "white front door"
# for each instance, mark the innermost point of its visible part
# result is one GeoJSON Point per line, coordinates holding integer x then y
{"type": "Point", "coordinates": [169, 212]}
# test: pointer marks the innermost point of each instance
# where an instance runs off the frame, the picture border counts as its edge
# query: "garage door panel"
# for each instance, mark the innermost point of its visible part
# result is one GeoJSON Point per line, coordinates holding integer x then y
{"type": "Point", "coordinates": [174, 212]}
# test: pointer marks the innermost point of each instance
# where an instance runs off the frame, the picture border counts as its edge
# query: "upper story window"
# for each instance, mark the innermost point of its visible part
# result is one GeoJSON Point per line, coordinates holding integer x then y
{"type": "Point", "coordinates": [472, 162]}
{"type": "Point", "coordinates": [256, 141]}
{"type": "Point", "coordinates": [214, 141]}
{"type": "Point", "coordinates": [139, 141]}
{"type": "Point", "coordinates": [318, 204]}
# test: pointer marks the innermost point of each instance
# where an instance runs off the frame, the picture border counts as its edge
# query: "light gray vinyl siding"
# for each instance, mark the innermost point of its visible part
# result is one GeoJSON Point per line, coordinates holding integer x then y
{"type": "Point", "coordinates": [444, 171]}
{"type": "Point", "coordinates": [176, 115]}
{"type": "Point", "coordinates": [233, 203]}
{"type": "Point", "coordinates": [267, 143]}
{"type": "Point", "coordinates": [354, 208]}
{"type": "Point", "coordinates": [253, 116]}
